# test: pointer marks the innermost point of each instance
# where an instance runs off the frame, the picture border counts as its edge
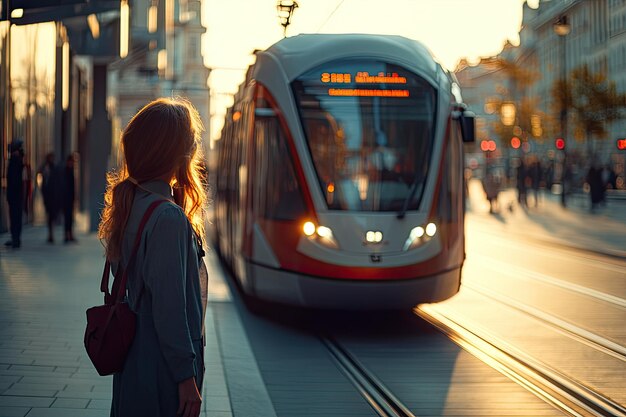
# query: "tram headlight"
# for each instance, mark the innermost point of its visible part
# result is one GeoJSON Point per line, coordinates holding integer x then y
{"type": "Point", "coordinates": [324, 232]}
{"type": "Point", "coordinates": [308, 228]}
{"type": "Point", "coordinates": [326, 238]}
{"type": "Point", "coordinates": [419, 235]}
{"type": "Point", "coordinates": [321, 234]}
{"type": "Point", "coordinates": [431, 229]}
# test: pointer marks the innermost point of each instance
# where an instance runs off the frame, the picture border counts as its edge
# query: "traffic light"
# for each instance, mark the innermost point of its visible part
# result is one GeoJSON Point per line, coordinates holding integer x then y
{"type": "Point", "coordinates": [560, 144]}
{"type": "Point", "coordinates": [515, 142]}
{"type": "Point", "coordinates": [621, 144]}
{"type": "Point", "coordinates": [488, 146]}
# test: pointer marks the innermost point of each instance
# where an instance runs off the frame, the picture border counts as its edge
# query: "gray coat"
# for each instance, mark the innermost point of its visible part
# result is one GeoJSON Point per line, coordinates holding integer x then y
{"type": "Point", "coordinates": [164, 290]}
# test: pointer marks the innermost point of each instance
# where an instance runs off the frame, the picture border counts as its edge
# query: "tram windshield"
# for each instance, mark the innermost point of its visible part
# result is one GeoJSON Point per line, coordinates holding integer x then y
{"type": "Point", "coordinates": [370, 129]}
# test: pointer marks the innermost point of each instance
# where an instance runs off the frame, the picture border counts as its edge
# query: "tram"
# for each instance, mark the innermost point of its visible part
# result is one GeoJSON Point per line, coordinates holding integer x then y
{"type": "Point", "coordinates": [338, 180]}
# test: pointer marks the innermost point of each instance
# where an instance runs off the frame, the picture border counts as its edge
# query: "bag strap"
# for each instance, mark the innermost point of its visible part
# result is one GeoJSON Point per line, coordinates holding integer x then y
{"type": "Point", "coordinates": [119, 290]}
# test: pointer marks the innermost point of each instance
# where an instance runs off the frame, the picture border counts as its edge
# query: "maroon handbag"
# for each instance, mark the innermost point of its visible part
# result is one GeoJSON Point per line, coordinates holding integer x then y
{"type": "Point", "coordinates": [111, 327]}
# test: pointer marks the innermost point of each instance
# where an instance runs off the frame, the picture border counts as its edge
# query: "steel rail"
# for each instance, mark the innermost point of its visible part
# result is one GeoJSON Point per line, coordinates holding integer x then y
{"type": "Point", "coordinates": [568, 396]}
{"type": "Point", "coordinates": [528, 274]}
{"type": "Point", "coordinates": [584, 336]}
{"type": "Point", "coordinates": [370, 387]}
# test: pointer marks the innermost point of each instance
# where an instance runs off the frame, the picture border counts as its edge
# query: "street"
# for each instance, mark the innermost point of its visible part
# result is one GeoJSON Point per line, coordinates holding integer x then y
{"type": "Point", "coordinates": [407, 209]}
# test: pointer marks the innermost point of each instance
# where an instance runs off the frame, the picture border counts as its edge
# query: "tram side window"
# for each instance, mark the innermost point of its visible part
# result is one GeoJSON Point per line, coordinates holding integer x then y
{"type": "Point", "coordinates": [221, 158]}
{"type": "Point", "coordinates": [450, 197]}
{"type": "Point", "coordinates": [278, 195]}
{"type": "Point", "coordinates": [455, 158]}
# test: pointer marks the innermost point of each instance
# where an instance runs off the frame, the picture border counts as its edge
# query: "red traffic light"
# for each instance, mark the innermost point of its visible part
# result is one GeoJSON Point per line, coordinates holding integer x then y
{"type": "Point", "coordinates": [515, 142]}
{"type": "Point", "coordinates": [487, 145]}
{"type": "Point", "coordinates": [621, 144]}
{"type": "Point", "coordinates": [560, 143]}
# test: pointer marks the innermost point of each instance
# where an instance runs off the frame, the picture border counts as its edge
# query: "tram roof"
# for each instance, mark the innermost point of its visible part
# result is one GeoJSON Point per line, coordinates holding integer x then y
{"type": "Point", "coordinates": [300, 53]}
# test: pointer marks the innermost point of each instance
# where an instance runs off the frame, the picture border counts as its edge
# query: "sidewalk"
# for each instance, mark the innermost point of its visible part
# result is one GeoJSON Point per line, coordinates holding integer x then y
{"type": "Point", "coordinates": [44, 370]}
{"type": "Point", "coordinates": [603, 231]}
{"type": "Point", "coordinates": [44, 292]}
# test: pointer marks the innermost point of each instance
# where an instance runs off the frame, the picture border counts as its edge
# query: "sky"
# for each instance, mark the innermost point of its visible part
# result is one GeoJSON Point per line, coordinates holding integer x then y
{"type": "Point", "coordinates": [451, 29]}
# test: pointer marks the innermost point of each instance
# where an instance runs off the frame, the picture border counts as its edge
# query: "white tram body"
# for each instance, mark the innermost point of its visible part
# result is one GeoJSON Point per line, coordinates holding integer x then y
{"type": "Point", "coordinates": [339, 175]}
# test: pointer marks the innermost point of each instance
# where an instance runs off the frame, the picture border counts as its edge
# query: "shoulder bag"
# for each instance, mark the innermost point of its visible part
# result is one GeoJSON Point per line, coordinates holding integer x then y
{"type": "Point", "coordinates": [111, 327]}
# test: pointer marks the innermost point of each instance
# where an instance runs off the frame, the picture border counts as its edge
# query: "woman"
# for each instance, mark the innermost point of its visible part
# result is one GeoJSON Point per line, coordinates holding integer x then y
{"type": "Point", "coordinates": [163, 372]}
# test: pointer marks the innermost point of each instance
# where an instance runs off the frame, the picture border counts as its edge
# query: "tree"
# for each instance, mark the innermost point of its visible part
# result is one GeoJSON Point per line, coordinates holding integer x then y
{"type": "Point", "coordinates": [527, 118]}
{"type": "Point", "coordinates": [520, 76]}
{"type": "Point", "coordinates": [527, 121]}
{"type": "Point", "coordinates": [593, 101]}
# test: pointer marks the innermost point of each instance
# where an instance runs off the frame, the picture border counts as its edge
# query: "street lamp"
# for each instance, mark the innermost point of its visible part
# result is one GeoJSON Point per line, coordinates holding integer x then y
{"type": "Point", "coordinates": [285, 10]}
{"type": "Point", "coordinates": [562, 29]}
{"type": "Point", "coordinates": [507, 113]}
{"type": "Point", "coordinates": [124, 27]}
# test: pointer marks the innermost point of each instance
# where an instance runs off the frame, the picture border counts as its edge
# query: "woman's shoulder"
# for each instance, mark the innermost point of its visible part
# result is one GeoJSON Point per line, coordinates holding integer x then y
{"type": "Point", "coordinates": [169, 211]}
{"type": "Point", "coordinates": [168, 216]}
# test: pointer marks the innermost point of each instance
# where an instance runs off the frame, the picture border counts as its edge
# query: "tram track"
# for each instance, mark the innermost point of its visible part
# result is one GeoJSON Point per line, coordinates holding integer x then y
{"type": "Point", "coordinates": [552, 386]}
{"type": "Point", "coordinates": [527, 274]}
{"type": "Point", "coordinates": [566, 395]}
{"type": "Point", "coordinates": [371, 388]}
{"type": "Point", "coordinates": [556, 389]}
{"type": "Point", "coordinates": [582, 335]}
{"type": "Point", "coordinates": [571, 397]}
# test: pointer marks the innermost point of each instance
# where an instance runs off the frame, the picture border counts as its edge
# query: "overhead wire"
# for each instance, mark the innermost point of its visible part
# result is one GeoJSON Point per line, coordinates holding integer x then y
{"type": "Point", "coordinates": [329, 16]}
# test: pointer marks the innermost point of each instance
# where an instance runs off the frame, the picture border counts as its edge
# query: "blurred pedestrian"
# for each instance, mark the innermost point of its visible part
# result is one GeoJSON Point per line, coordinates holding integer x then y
{"type": "Point", "coordinates": [51, 190]}
{"type": "Point", "coordinates": [536, 177]}
{"type": "Point", "coordinates": [15, 192]}
{"type": "Point", "coordinates": [567, 182]}
{"type": "Point", "coordinates": [491, 185]}
{"type": "Point", "coordinates": [27, 187]}
{"type": "Point", "coordinates": [612, 178]}
{"type": "Point", "coordinates": [609, 178]}
{"type": "Point", "coordinates": [164, 369]}
{"type": "Point", "coordinates": [69, 199]}
{"type": "Point", "coordinates": [596, 187]}
{"type": "Point", "coordinates": [521, 184]}
{"type": "Point", "coordinates": [549, 176]}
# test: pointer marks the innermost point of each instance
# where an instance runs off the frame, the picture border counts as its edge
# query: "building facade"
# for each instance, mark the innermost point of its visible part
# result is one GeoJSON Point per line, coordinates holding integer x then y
{"type": "Point", "coordinates": [41, 107]}
{"type": "Point", "coordinates": [68, 86]}
{"type": "Point", "coordinates": [166, 61]}
{"type": "Point", "coordinates": [595, 37]}
{"type": "Point", "coordinates": [617, 56]}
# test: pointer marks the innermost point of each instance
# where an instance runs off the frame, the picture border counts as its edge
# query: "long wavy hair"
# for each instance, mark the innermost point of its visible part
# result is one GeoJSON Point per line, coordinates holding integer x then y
{"type": "Point", "coordinates": [160, 142]}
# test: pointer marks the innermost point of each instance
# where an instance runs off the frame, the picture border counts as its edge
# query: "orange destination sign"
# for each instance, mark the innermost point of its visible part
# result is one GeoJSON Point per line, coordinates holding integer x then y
{"type": "Point", "coordinates": [390, 78]}
{"type": "Point", "coordinates": [361, 92]}
{"type": "Point", "coordinates": [337, 78]}
{"type": "Point", "coordinates": [362, 77]}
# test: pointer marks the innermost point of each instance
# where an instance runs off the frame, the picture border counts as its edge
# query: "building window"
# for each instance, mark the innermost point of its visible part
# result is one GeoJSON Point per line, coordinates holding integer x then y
{"type": "Point", "coordinates": [193, 50]}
